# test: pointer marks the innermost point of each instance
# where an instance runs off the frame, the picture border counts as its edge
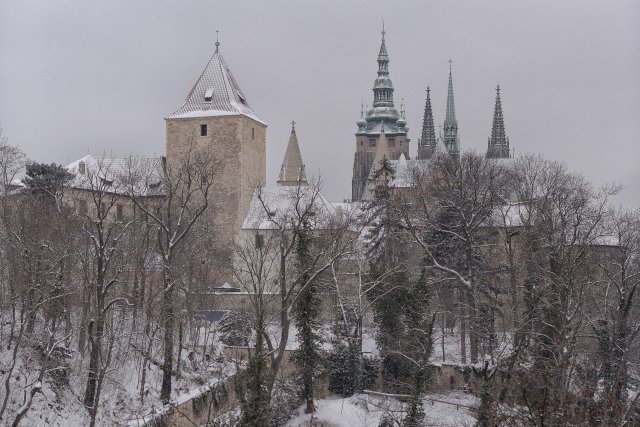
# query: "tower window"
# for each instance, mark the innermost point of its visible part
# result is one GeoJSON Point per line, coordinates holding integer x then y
{"type": "Point", "coordinates": [253, 133]}
{"type": "Point", "coordinates": [372, 143]}
{"type": "Point", "coordinates": [259, 241]}
{"type": "Point", "coordinates": [119, 213]}
{"type": "Point", "coordinates": [203, 130]}
{"type": "Point", "coordinates": [392, 142]}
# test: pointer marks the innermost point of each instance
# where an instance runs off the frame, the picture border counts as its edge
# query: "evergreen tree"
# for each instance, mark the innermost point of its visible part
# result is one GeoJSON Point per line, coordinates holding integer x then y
{"type": "Point", "coordinates": [255, 401]}
{"type": "Point", "coordinates": [307, 311]}
{"type": "Point", "coordinates": [47, 180]}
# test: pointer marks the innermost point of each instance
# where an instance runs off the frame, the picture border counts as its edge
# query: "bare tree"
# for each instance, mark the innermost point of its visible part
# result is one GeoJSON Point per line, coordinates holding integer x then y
{"type": "Point", "coordinates": [279, 217]}
{"type": "Point", "coordinates": [182, 195]}
{"type": "Point", "coordinates": [105, 230]}
{"type": "Point", "coordinates": [12, 162]}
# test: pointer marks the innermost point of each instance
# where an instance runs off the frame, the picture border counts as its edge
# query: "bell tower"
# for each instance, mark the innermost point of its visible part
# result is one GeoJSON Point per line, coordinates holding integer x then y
{"type": "Point", "coordinates": [216, 115]}
{"type": "Point", "coordinates": [383, 115]}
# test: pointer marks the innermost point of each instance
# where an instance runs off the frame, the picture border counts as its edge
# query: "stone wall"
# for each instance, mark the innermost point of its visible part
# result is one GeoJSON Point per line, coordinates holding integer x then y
{"type": "Point", "coordinates": [201, 408]}
{"type": "Point", "coordinates": [239, 145]}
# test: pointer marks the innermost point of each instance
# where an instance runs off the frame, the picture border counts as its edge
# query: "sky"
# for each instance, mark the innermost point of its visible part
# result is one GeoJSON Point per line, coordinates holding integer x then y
{"type": "Point", "coordinates": [80, 77]}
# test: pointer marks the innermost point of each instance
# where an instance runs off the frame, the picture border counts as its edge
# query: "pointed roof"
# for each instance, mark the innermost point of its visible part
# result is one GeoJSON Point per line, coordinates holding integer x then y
{"type": "Point", "coordinates": [451, 139]}
{"type": "Point", "coordinates": [292, 170]}
{"type": "Point", "coordinates": [215, 93]}
{"type": "Point", "coordinates": [428, 141]}
{"type": "Point", "coordinates": [450, 116]}
{"type": "Point", "coordinates": [383, 108]}
{"type": "Point", "coordinates": [498, 144]}
{"type": "Point", "coordinates": [382, 156]}
{"type": "Point", "coordinates": [382, 55]}
{"type": "Point", "coordinates": [498, 134]}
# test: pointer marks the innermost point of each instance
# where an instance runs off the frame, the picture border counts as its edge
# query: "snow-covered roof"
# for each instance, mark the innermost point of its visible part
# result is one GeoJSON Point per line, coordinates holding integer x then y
{"type": "Point", "coordinates": [216, 93]}
{"type": "Point", "coordinates": [510, 214]}
{"type": "Point", "coordinates": [407, 172]}
{"type": "Point", "coordinates": [271, 206]}
{"type": "Point", "coordinates": [115, 173]}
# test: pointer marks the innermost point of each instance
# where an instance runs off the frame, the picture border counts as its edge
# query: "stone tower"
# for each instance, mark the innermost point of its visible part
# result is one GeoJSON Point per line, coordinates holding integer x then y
{"type": "Point", "coordinates": [427, 143]}
{"type": "Point", "coordinates": [451, 139]}
{"type": "Point", "coordinates": [216, 115]}
{"type": "Point", "coordinates": [292, 170]}
{"type": "Point", "coordinates": [498, 144]}
{"type": "Point", "coordinates": [371, 123]}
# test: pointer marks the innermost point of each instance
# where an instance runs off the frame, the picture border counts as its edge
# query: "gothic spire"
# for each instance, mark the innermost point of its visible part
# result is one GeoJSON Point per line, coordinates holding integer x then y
{"type": "Point", "coordinates": [292, 170]}
{"type": "Point", "coordinates": [451, 139]}
{"type": "Point", "coordinates": [498, 144]}
{"type": "Point", "coordinates": [427, 144]}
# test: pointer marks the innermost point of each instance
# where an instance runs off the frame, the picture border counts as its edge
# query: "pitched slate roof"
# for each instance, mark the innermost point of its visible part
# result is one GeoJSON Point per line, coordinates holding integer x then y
{"type": "Point", "coordinates": [216, 93]}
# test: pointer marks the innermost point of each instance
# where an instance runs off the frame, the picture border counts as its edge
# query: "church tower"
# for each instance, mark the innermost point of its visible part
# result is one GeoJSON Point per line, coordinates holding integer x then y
{"type": "Point", "coordinates": [216, 115]}
{"type": "Point", "coordinates": [427, 143]}
{"type": "Point", "coordinates": [498, 144]}
{"type": "Point", "coordinates": [370, 127]}
{"type": "Point", "coordinates": [451, 139]}
{"type": "Point", "coordinates": [292, 169]}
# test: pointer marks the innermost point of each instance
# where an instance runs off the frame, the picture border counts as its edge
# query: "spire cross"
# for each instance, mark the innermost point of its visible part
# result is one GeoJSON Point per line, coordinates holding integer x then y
{"type": "Point", "coordinates": [428, 91]}
{"type": "Point", "coordinates": [383, 32]}
{"type": "Point", "coordinates": [217, 42]}
{"type": "Point", "coordinates": [498, 89]}
{"type": "Point", "coordinates": [450, 61]}
{"type": "Point", "coordinates": [293, 125]}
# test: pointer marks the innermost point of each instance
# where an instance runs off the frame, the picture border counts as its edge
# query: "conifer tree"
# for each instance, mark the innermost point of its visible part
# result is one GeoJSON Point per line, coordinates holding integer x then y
{"type": "Point", "coordinates": [307, 311]}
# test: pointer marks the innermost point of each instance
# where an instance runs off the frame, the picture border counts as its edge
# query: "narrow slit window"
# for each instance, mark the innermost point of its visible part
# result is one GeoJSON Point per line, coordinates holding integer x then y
{"type": "Point", "coordinates": [203, 130]}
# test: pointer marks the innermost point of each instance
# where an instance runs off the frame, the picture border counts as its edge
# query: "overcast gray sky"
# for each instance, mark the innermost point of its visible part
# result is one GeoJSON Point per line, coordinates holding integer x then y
{"type": "Point", "coordinates": [79, 76]}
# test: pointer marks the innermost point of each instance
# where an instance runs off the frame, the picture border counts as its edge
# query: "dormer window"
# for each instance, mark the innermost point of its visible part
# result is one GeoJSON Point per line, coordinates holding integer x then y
{"type": "Point", "coordinates": [203, 130]}
{"type": "Point", "coordinates": [242, 100]}
{"type": "Point", "coordinates": [208, 95]}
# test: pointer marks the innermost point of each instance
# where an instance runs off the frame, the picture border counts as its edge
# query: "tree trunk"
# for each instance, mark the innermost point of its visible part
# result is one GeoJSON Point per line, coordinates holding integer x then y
{"type": "Point", "coordinates": [167, 366]}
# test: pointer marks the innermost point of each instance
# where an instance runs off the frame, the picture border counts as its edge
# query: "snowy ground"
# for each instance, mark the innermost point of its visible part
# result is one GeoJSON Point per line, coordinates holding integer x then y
{"type": "Point", "coordinates": [120, 399]}
{"type": "Point", "coordinates": [451, 409]}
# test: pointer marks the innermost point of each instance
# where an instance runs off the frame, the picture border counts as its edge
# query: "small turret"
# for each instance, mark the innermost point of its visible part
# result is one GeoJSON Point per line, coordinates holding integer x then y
{"type": "Point", "coordinates": [292, 170]}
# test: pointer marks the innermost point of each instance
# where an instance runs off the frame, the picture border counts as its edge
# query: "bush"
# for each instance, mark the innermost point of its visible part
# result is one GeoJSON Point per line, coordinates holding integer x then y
{"type": "Point", "coordinates": [349, 371]}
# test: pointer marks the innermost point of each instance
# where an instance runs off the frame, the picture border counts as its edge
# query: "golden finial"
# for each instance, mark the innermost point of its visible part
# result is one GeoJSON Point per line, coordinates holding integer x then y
{"type": "Point", "coordinates": [383, 32]}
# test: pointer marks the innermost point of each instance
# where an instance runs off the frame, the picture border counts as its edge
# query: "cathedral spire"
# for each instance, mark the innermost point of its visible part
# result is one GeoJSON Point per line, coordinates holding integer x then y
{"type": "Point", "coordinates": [451, 138]}
{"type": "Point", "coordinates": [427, 144]}
{"type": "Point", "coordinates": [292, 170]}
{"type": "Point", "coordinates": [498, 144]}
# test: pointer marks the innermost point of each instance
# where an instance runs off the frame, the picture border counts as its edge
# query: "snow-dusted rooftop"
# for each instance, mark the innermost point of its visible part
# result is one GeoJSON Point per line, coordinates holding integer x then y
{"type": "Point", "coordinates": [91, 172]}
{"type": "Point", "coordinates": [271, 206]}
{"type": "Point", "coordinates": [216, 93]}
